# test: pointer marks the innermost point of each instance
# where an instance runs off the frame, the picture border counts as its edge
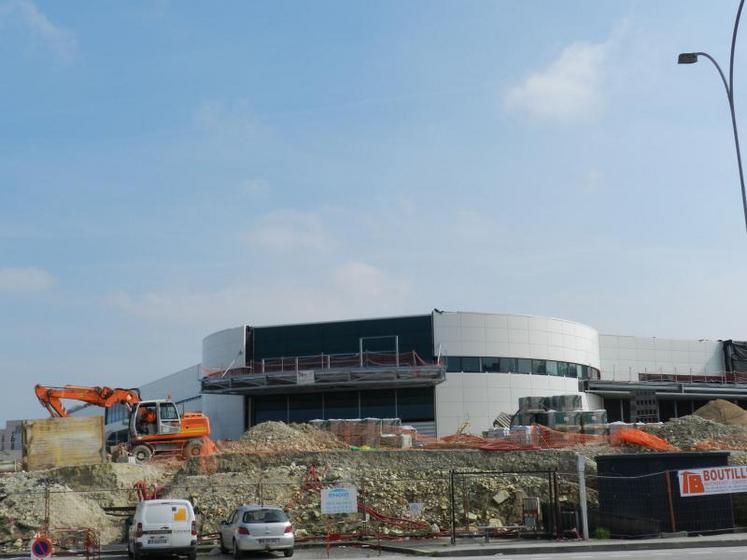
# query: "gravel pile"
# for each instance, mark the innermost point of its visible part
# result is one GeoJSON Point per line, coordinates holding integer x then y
{"type": "Point", "coordinates": [276, 437]}
{"type": "Point", "coordinates": [688, 431]}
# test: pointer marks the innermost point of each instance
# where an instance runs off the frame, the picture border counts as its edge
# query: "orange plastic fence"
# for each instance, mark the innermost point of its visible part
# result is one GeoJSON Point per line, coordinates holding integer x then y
{"type": "Point", "coordinates": [631, 436]}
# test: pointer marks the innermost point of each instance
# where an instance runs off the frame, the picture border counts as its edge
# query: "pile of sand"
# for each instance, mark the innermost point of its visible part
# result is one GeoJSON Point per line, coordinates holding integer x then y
{"type": "Point", "coordinates": [723, 412]}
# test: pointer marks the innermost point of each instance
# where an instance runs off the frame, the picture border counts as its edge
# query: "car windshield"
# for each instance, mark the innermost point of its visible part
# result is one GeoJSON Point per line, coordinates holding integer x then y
{"type": "Point", "coordinates": [264, 516]}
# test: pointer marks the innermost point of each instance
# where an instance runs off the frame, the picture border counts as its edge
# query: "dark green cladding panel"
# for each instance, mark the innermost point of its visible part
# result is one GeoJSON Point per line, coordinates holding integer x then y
{"type": "Point", "coordinates": [415, 333]}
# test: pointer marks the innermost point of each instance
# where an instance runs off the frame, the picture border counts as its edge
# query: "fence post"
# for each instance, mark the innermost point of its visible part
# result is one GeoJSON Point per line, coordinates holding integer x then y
{"type": "Point", "coordinates": [452, 507]}
{"type": "Point", "coordinates": [671, 504]}
{"type": "Point", "coordinates": [581, 464]}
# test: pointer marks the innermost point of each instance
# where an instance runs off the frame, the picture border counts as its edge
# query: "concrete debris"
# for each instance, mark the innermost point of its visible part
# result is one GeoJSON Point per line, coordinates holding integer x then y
{"type": "Point", "coordinates": [723, 412]}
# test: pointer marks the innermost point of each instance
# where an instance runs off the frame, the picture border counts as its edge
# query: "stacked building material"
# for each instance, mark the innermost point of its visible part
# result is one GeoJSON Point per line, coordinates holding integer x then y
{"type": "Point", "coordinates": [563, 413]}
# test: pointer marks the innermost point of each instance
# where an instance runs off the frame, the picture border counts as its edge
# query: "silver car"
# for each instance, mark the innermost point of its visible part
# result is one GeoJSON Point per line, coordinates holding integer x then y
{"type": "Point", "coordinates": [253, 527]}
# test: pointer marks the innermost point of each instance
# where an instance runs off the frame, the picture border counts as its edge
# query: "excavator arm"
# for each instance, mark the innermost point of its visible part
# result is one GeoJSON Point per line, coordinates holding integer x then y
{"type": "Point", "coordinates": [106, 397]}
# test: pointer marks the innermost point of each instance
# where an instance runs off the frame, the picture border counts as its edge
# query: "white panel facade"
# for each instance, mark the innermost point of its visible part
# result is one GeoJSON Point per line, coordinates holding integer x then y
{"type": "Point", "coordinates": [479, 397]}
{"type": "Point", "coordinates": [223, 349]}
{"type": "Point", "coordinates": [226, 413]}
{"type": "Point", "coordinates": [515, 336]}
{"type": "Point", "coordinates": [624, 357]}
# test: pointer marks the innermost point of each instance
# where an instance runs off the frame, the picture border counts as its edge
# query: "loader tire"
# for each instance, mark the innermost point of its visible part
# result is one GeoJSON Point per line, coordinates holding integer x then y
{"type": "Point", "coordinates": [192, 449]}
{"type": "Point", "coordinates": [142, 453]}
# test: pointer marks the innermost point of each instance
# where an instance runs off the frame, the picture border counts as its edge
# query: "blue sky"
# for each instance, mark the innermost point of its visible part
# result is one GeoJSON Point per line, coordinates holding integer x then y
{"type": "Point", "coordinates": [168, 169]}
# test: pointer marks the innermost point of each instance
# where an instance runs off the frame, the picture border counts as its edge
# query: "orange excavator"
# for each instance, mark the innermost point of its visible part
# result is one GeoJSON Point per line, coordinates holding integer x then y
{"type": "Point", "coordinates": [155, 426]}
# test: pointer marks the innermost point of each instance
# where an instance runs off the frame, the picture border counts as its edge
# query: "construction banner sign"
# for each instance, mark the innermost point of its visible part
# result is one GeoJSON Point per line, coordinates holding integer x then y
{"type": "Point", "coordinates": [712, 480]}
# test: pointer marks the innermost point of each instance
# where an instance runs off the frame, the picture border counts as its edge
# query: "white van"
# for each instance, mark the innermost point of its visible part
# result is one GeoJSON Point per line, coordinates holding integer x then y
{"type": "Point", "coordinates": [163, 527]}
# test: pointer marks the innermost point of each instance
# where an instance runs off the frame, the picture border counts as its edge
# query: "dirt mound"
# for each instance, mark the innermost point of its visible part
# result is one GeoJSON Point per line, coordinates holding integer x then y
{"type": "Point", "coordinates": [273, 437]}
{"type": "Point", "coordinates": [723, 412]}
{"type": "Point", "coordinates": [688, 431]}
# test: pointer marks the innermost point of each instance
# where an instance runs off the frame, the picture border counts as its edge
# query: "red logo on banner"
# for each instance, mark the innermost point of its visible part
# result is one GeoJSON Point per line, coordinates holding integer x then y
{"type": "Point", "coordinates": [692, 483]}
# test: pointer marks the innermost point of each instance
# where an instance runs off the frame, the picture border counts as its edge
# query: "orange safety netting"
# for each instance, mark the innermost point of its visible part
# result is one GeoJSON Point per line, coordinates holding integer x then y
{"type": "Point", "coordinates": [377, 434]}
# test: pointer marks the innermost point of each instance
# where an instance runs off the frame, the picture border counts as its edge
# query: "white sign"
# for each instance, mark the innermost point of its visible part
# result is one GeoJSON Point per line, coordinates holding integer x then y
{"type": "Point", "coordinates": [304, 376]}
{"type": "Point", "coordinates": [712, 480]}
{"type": "Point", "coordinates": [416, 509]}
{"type": "Point", "coordinates": [339, 499]}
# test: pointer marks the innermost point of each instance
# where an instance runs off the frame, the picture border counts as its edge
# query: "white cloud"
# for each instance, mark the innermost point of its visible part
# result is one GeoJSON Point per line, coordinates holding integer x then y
{"type": "Point", "coordinates": [62, 42]}
{"type": "Point", "coordinates": [24, 279]}
{"type": "Point", "coordinates": [362, 279]}
{"type": "Point", "coordinates": [288, 230]}
{"type": "Point", "coordinates": [352, 289]}
{"type": "Point", "coordinates": [255, 187]}
{"type": "Point", "coordinates": [569, 88]}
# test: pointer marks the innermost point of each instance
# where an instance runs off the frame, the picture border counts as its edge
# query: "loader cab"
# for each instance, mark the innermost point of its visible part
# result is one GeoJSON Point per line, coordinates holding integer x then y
{"type": "Point", "coordinates": [150, 418]}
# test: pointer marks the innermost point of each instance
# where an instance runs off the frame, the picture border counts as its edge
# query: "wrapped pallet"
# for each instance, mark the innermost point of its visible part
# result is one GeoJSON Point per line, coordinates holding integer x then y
{"type": "Point", "coordinates": [63, 442]}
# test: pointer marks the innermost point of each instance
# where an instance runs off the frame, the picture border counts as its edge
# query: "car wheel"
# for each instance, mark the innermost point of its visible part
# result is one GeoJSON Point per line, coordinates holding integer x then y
{"type": "Point", "coordinates": [236, 551]}
{"type": "Point", "coordinates": [288, 552]}
{"type": "Point", "coordinates": [223, 548]}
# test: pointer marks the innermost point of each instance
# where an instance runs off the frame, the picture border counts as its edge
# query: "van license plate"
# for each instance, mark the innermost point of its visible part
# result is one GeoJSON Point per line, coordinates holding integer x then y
{"type": "Point", "coordinates": [158, 540]}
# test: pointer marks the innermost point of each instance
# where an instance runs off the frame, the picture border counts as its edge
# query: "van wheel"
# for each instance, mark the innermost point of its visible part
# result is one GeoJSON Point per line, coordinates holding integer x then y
{"type": "Point", "coordinates": [142, 453]}
{"type": "Point", "coordinates": [288, 552]}
{"type": "Point", "coordinates": [236, 551]}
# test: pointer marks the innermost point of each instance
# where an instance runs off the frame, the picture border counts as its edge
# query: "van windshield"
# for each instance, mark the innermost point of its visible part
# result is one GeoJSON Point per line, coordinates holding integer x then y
{"type": "Point", "coordinates": [264, 516]}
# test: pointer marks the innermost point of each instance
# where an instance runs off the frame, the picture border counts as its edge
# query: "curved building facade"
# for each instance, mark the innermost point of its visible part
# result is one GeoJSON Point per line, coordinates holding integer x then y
{"type": "Point", "coordinates": [493, 359]}
{"type": "Point", "coordinates": [479, 364]}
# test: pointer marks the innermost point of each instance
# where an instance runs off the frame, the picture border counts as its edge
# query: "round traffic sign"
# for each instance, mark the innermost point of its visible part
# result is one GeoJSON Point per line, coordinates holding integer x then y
{"type": "Point", "coordinates": [41, 548]}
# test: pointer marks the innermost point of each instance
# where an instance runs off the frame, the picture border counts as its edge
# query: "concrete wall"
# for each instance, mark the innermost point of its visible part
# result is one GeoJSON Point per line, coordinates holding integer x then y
{"type": "Point", "coordinates": [624, 357]}
{"type": "Point", "coordinates": [479, 397]}
{"type": "Point", "coordinates": [515, 336]}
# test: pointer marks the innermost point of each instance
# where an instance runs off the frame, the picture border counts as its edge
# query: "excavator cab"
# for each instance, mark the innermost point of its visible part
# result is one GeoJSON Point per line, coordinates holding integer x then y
{"type": "Point", "coordinates": [154, 418]}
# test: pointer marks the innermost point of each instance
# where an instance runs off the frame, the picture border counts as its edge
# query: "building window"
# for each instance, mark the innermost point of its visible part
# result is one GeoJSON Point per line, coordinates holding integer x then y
{"type": "Point", "coordinates": [554, 368]}
{"type": "Point", "coordinates": [269, 408]}
{"type": "Point", "coordinates": [453, 364]}
{"type": "Point", "coordinates": [415, 405]}
{"type": "Point", "coordinates": [539, 367]}
{"type": "Point", "coordinates": [341, 405]}
{"type": "Point", "coordinates": [471, 364]}
{"type": "Point", "coordinates": [509, 365]}
{"type": "Point", "coordinates": [523, 366]}
{"type": "Point", "coordinates": [305, 407]}
{"type": "Point", "coordinates": [491, 364]}
{"type": "Point", "coordinates": [378, 404]}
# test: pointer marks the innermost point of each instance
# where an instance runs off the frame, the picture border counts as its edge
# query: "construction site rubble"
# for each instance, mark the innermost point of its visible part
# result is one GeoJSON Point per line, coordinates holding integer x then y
{"type": "Point", "coordinates": [288, 465]}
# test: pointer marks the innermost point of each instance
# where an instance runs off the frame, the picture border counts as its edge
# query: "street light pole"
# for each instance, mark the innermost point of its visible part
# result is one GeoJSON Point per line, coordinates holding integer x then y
{"type": "Point", "coordinates": [691, 58]}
